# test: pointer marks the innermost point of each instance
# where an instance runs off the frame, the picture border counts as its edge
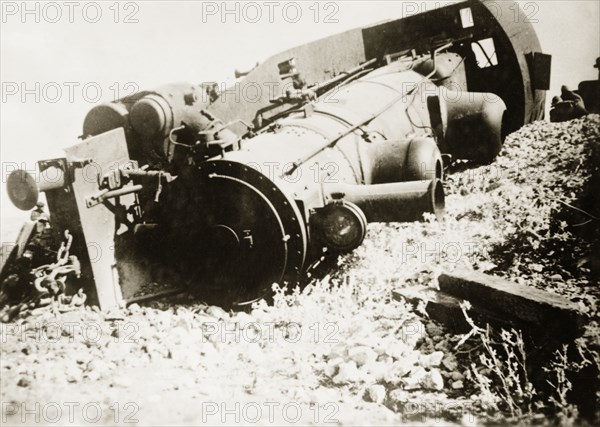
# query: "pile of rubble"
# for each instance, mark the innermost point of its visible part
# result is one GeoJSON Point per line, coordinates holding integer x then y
{"type": "Point", "coordinates": [539, 198]}
{"type": "Point", "coordinates": [320, 346]}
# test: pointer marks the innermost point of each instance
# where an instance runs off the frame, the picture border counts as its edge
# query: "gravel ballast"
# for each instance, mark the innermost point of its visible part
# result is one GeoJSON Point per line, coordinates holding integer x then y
{"type": "Point", "coordinates": [342, 348]}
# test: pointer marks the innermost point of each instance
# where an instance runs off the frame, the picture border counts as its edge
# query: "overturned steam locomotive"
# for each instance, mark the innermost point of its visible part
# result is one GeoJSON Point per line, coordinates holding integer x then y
{"type": "Point", "coordinates": [232, 194]}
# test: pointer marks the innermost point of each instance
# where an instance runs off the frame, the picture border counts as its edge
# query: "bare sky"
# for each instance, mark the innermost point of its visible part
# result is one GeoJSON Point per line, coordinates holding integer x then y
{"type": "Point", "coordinates": [180, 41]}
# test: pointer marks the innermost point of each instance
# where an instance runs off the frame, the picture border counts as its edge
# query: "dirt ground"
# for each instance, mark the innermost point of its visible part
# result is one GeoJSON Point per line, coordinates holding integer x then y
{"type": "Point", "coordinates": [341, 350]}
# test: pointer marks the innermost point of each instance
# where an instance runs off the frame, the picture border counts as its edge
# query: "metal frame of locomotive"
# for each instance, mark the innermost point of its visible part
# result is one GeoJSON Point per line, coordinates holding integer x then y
{"type": "Point", "coordinates": [177, 177]}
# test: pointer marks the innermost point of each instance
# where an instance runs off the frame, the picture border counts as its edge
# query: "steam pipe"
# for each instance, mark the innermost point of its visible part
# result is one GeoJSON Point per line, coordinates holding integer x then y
{"type": "Point", "coordinates": [393, 202]}
{"type": "Point", "coordinates": [434, 57]}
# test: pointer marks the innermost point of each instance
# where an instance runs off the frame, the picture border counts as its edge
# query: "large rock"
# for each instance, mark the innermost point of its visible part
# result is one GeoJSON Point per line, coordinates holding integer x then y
{"type": "Point", "coordinates": [412, 332]}
{"type": "Point", "coordinates": [399, 369]}
{"type": "Point", "coordinates": [378, 370]}
{"type": "Point", "coordinates": [375, 393]}
{"type": "Point", "coordinates": [347, 373]}
{"type": "Point", "coordinates": [415, 380]}
{"type": "Point", "coordinates": [431, 360]}
{"type": "Point", "coordinates": [433, 380]}
{"type": "Point", "coordinates": [362, 355]}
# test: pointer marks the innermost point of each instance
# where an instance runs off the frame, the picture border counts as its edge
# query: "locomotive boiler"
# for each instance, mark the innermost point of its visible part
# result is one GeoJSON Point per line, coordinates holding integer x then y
{"type": "Point", "coordinates": [232, 196]}
{"type": "Point", "coordinates": [313, 179]}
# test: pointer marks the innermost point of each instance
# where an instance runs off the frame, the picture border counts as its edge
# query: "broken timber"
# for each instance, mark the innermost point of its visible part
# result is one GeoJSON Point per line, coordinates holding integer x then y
{"type": "Point", "coordinates": [497, 301]}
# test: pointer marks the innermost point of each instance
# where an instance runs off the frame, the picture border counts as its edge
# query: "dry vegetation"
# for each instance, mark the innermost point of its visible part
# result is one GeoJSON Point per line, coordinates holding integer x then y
{"type": "Point", "coordinates": [342, 348]}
